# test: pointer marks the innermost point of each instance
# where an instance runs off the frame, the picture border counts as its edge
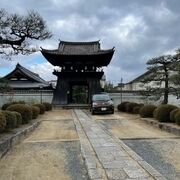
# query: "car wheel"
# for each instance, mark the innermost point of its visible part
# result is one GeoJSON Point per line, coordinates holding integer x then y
{"type": "Point", "coordinates": [92, 112]}
{"type": "Point", "coordinates": [112, 112]}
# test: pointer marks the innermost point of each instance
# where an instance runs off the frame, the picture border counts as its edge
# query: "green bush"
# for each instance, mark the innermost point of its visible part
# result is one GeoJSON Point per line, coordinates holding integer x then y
{"type": "Point", "coordinates": [24, 110]}
{"type": "Point", "coordinates": [155, 113]}
{"type": "Point", "coordinates": [18, 117]}
{"type": "Point", "coordinates": [35, 111]}
{"type": "Point", "coordinates": [48, 106]}
{"type": "Point", "coordinates": [147, 111]}
{"type": "Point", "coordinates": [122, 106]}
{"type": "Point", "coordinates": [172, 115]}
{"type": "Point", "coordinates": [41, 107]}
{"type": "Point", "coordinates": [5, 106]}
{"type": "Point", "coordinates": [11, 120]}
{"type": "Point", "coordinates": [130, 106]}
{"type": "Point", "coordinates": [2, 122]}
{"type": "Point", "coordinates": [163, 112]}
{"type": "Point", "coordinates": [177, 118]}
{"type": "Point", "coordinates": [136, 109]}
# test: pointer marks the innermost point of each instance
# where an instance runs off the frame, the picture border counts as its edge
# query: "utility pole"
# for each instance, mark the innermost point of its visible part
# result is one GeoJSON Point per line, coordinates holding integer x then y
{"type": "Point", "coordinates": [121, 88]}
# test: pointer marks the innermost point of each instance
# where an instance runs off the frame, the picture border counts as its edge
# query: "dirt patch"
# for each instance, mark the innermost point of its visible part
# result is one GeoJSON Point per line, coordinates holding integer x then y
{"type": "Point", "coordinates": [130, 126]}
{"type": "Point", "coordinates": [54, 130]}
{"type": "Point", "coordinates": [57, 115]}
{"type": "Point", "coordinates": [43, 161]}
{"type": "Point", "coordinates": [51, 152]}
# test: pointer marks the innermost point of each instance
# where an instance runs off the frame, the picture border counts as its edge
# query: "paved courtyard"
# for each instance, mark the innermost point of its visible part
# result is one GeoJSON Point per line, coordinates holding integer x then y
{"type": "Point", "coordinates": [72, 144]}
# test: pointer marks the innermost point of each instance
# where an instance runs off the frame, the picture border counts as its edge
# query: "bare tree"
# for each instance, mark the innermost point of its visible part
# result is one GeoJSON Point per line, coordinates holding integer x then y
{"type": "Point", "coordinates": [18, 32]}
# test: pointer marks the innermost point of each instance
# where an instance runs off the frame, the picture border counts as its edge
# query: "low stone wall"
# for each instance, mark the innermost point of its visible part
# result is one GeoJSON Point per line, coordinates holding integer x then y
{"type": "Point", "coordinates": [169, 127]}
{"type": "Point", "coordinates": [15, 136]}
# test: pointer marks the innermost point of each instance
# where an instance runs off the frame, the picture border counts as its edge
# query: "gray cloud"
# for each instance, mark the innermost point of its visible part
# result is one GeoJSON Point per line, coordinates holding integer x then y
{"type": "Point", "coordinates": [139, 30]}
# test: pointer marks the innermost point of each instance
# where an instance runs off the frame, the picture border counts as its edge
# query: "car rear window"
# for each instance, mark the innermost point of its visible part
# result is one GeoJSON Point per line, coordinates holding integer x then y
{"type": "Point", "coordinates": [101, 97]}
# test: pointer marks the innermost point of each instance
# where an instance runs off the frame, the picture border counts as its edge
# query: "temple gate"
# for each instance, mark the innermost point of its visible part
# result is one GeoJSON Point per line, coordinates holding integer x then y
{"type": "Point", "coordinates": [80, 70]}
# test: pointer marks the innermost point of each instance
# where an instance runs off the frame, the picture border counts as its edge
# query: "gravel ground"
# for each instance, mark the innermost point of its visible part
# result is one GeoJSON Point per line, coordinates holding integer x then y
{"type": "Point", "coordinates": [43, 161]}
{"type": "Point", "coordinates": [51, 152]}
{"type": "Point", "coordinates": [159, 148]}
{"type": "Point", "coordinates": [162, 154]}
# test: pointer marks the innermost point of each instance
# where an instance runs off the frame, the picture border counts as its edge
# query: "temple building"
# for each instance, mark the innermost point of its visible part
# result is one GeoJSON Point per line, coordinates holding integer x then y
{"type": "Point", "coordinates": [80, 70]}
{"type": "Point", "coordinates": [23, 79]}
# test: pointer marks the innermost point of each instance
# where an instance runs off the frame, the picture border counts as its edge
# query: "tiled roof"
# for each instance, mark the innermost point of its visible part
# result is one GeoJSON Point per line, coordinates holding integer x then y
{"type": "Point", "coordinates": [31, 74]}
{"type": "Point", "coordinates": [29, 85]}
{"type": "Point", "coordinates": [27, 73]}
{"type": "Point", "coordinates": [78, 48]}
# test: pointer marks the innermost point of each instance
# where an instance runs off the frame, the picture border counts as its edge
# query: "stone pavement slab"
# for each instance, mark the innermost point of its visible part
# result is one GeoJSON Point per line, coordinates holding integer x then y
{"type": "Point", "coordinates": [114, 158]}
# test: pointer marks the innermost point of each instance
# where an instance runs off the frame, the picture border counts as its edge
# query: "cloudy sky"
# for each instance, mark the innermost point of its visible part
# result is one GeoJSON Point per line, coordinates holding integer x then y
{"type": "Point", "coordinates": [139, 30]}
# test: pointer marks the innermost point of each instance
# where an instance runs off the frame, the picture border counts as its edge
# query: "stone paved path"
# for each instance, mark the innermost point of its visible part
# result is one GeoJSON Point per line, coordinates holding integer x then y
{"type": "Point", "coordinates": [107, 157]}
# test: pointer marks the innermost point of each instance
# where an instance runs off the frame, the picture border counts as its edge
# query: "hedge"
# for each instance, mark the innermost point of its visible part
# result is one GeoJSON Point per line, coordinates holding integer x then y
{"type": "Point", "coordinates": [6, 105]}
{"type": "Point", "coordinates": [2, 122]}
{"type": "Point", "coordinates": [35, 111]}
{"type": "Point", "coordinates": [147, 111]}
{"type": "Point", "coordinates": [177, 118]}
{"type": "Point", "coordinates": [24, 110]}
{"type": "Point", "coordinates": [11, 120]}
{"type": "Point", "coordinates": [41, 107]}
{"type": "Point", "coordinates": [48, 106]}
{"type": "Point", "coordinates": [172, 115]}
{"type": "Point", "coordinates": [18, 117]}
{"type": "Point", "coordinates": [122, 106]}
{"type": "Point", "coordinates": [163, 112]}
{"type": "Point", "coordinates": [130, 106]}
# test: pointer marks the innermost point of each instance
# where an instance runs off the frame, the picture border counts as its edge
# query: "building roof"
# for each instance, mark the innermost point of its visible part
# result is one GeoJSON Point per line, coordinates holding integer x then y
{"type": "Point", "coordinates": [79, 51]}
{"type": "Point", "coordinates": [137, 79]}
{"type": "Point", "coordinates": [78, 48]}
{"type": "Point", "coordinates": [24, 78]}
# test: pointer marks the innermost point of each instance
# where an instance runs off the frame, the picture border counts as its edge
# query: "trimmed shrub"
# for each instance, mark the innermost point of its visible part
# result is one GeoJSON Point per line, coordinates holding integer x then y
{"type": "Point", "coordinates": [130, 106]}
{"type": "Point", "coordinates": [5, 106]}
{"type": "Point", "coordinates": [41, 107]}
{"type": "Point", "coordinates": [35, 111]}
{"type": "Point", "coordinates": [177, 118]}
{"type": "Point", "coordinates": [2, 122]}
{"type": "Point", "coordinates": [18, 117]}
{"type": "Point", "coordinates": [136, 109]}
{"type": "Point", "coordinates": [48, 106]}
{"type": "Point", "coordinates": [155, 113]}
{"type": "Point", "coordinates": [147, 111]}
{"type": "Point", "coordinates": [24, 110]}
{"type": "Point", "coordinates": [172, 115]}
{"type": "Point", "coordinates": [122, 106]}
{"type": "Point", "coordinates": [11, 120]}
{"type": "Point", "coordinates": [163, 112]}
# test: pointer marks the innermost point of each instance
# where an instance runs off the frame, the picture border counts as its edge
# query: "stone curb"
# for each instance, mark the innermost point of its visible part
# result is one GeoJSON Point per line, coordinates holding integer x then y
{"type": "Point", "coordinates": [171, 128]}
{"type": "Point", "coordinates": [94, 168]}
{"type": "Point", "coordinates": [7, 143]}
{"type": "Point", "coordinates": [153, 172]}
